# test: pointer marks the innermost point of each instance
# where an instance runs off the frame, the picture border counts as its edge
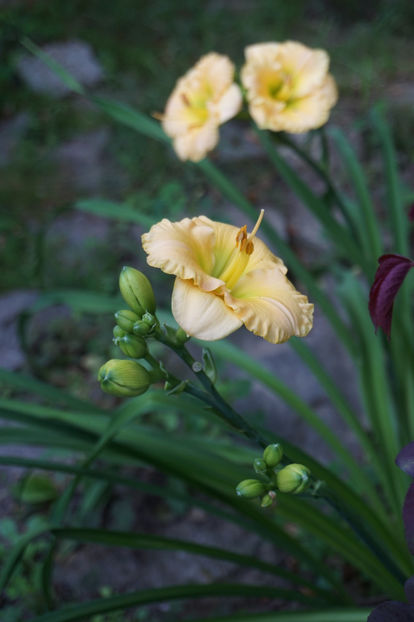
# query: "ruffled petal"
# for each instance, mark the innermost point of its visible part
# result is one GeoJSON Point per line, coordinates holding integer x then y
{"type": "Point", "coordinates": [217, 71]}
{"type": "Point", "coordinates": [308, 67]}
{"type": "Point", "coordinates": [229, 104]}
{"type": "Point", "coordinates": [270, 306]}
{"type": "Point", "coordinates": [261, 53]}
{"type": "Point", "coordinates": [184, 248]}
{"type": "Point", "coordinates": [196, 142]}
{"type": "Point", "coordinates": [310, 112]}
{"type": "Point", "coordinates": [202, 314]}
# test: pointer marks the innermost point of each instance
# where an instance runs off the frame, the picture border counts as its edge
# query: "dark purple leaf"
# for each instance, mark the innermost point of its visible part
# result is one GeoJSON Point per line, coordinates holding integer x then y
{"type": "Point", "coordinates": [411, 212]}
{"type": "Point", "coordinates": [389, 277]}
{"type": "Point", "coordinates": [392, 611]}
{"type": "Point", "coordinates": [408, 518]}
{"type": "Point", "coordinates": [409, 590]}
{"type": "Point", "coordinates": [405, 459]}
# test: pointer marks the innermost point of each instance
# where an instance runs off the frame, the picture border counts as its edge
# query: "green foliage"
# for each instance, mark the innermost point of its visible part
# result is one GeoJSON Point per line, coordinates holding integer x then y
{"type": "Point", "coordinates": [353, 513]}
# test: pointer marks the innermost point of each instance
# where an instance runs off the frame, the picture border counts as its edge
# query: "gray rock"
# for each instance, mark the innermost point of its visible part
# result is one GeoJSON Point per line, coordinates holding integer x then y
{"type": "Point", "coordinates": [82, 160]}
{"type": "Point", "coordinates": [76, 57]}
{"type": "Point", "coordinates": [10, 133]}
{"type": "Point", "coordinates": [11, 305]}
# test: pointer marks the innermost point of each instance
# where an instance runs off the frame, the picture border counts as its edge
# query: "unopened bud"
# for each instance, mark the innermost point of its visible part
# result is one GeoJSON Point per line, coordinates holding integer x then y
{"type": "Point", "coordinates": [136, 290]}
{"type": "Point", "coordinates": [126, 319]}
{"type": "Point", "coordinates": [250, 488]}
{"type": "Point", "coordinates": [181, 336]}
{"type": "Point", "coordinates": [273, 454]}
{"type": "Point", "coordinates": [133, 346]}
{"type": "Point", "coordinates": [269, 499]}
{"type": "Point", "coordinates": [118, 333]}
{"type": "Point", "coordinates": [141, 328]}
{"type": "Point", "coordinates": [123, 378]}
{"type": "Point", "coordinates": [259, 466]}
{"type": "Point", "coordinates": [293, 478]}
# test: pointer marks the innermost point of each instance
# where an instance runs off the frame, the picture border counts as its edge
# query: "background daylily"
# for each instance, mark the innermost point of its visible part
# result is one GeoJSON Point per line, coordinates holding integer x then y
{"type": "Point", "coordinates": [288, 86]}
{"type": "Point", "coordinates": [226, 278]}
{"type": "Point", "coordinates": [202, 99]}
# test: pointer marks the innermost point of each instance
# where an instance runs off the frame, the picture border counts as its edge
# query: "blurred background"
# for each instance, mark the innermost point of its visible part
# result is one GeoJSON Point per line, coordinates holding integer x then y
{"type": "Point", "coordinates": [60, 263]}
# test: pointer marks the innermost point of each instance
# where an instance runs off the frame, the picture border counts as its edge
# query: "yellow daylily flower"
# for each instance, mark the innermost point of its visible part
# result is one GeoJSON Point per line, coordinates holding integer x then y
{"type": "Point", "coordinates": [204, 98]}
{"type": "Point", "coordinates": [226, 277]}
{"type": "Point", "coordinates": [288, 86]}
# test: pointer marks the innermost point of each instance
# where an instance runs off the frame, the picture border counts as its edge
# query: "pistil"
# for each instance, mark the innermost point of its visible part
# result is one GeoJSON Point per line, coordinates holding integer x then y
{"type": "Point", "coordinates": [239, 258]}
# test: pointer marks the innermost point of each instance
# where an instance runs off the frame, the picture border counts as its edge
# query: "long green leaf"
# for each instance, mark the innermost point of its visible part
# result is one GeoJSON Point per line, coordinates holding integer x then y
{"type": "Point", "coordinates": [54, 66]}
{"type": "Point", "coordinates": [394, 189]}
{"type": "Point", "coordinates": [324, 615]}
{"type": "Point", "coordinates": [336, 232]}
{"type": "Point", "coordinates": [17, 380]}
{"type": "Point", "coordinates": [148, 541]}
{"type": "Point", "coordinates": [368, 231]}
{"type": "Point", "coordinates": [14, 557]}
{"type": "Point", "coordinates": [176, 592]}
{"type": "Point", "coordinates": [116, 211]}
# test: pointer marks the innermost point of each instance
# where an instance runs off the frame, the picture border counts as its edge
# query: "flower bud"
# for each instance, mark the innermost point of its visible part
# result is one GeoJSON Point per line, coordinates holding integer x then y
{"type": "Point", "coordinates": [126, 319]}
{"type": "Point", "coordinates": [181, 336]}
{"type": "Point", "coordinates": [136, 290]}
{"type": "Point", "coordinates": [273, 454]}
{"type": "Point", "coordinates": [118, 333]}
{"type": "Point", "coordinates": [250, 488]}
{"type": "Point", "coordinates": [293, 478]}
{"type": "Point", "coordinates": [269, 499]}
{"type": "Point", "coordinates": [123, 378]}
{"type": "Point", "coordinates": [141, 328]}
{"type": "Point", "coordinates": [259, 466]}
{"type": "Point", "coordinates": [133, 346]}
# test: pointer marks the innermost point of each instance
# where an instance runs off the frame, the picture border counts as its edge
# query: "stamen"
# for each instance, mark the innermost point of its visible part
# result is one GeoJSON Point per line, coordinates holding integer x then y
{"type": "Point", "coordinates": [257, 225]}
{"type": "Point", "coordinates": [185, 99]}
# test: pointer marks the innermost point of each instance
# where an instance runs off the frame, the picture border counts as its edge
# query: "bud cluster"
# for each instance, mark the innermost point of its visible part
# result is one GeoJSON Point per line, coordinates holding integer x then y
{"type": "Point", "coordinates": [127, 378]}
{"type": "Point", "coordinates": [293, 478]}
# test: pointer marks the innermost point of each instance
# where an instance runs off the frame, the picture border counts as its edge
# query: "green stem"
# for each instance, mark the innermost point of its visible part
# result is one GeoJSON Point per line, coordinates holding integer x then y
{"type": "Point", "coordinates": [212, 397]}
{"type": "Point", "coordinates": [319, 170]}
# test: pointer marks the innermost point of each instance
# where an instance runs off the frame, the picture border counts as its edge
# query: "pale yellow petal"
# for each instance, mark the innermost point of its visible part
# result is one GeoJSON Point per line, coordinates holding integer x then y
{"type": "Point", "coordinates": [225, 243]}
{"type": "Point", "coordinates": [202, 314]}
{"type": "Point", "coordinates": [261, 53]}
{"type": "Point", "coordinates": [218, 71]}
{"type": "Point", "coordinates": [195, 143]}
{"type": "Point", "coordinates": [184, 248]}
{"type": "Point", "coordinates": [270, 306]}
{"type": "Point", "coordinates": [307, 67]}
{"type": "Point", "coordinates": [229, 104]}
{"type": "Point", "coordinates": [309, 112]}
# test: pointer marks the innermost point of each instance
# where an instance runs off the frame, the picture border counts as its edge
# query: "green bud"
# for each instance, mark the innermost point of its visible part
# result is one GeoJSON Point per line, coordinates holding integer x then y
{"type": "Point", "coordinates": [118, 333]}
{"type": "Point", "coordinates": [123, 378]}
{"type": "Point", "coordinates": [259, 465]}
{"type": "Point", "coordinates": [133, 346]}
{"type": "Point", "coordinates": [126, 319]}
{"type": "Point", "coordinates": [141, 328]}
{"type": "Point", "coordinates": [181, 336]}
{"type": "Point", "coordinates": [293, 478]}
{"type": "Point", "coordinates": [250, 488]}
{"type": "Point", "coordinates": [273, 454]}
{"type": "Point", "coordinates": [136, 290]}
{"type": "Point", "coordinates": [268, 499]}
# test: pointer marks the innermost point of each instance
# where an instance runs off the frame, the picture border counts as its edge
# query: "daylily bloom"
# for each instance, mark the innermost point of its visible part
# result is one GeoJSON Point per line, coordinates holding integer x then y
{"type": "Point", "coordinates": [288, 86]}
{"type": "Point", "coordinates": [226, 277]}
{"type": "Point", "coordinates": [202, 99]}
